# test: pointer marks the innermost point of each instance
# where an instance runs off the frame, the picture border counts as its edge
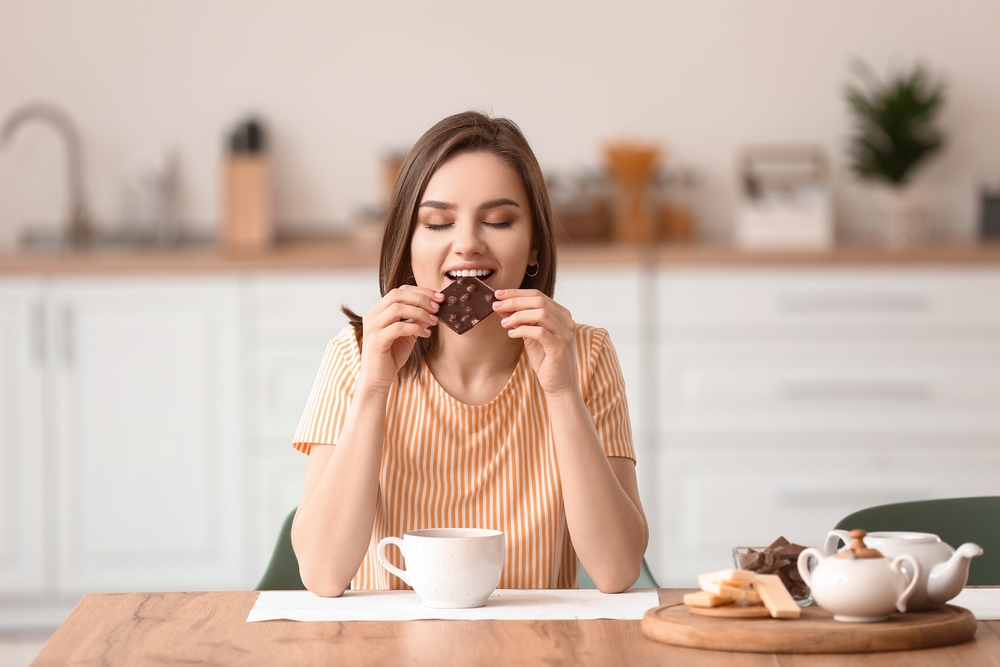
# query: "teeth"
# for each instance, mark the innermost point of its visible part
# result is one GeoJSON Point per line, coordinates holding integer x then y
{"type": "Point", "coordinates": [465, 273]}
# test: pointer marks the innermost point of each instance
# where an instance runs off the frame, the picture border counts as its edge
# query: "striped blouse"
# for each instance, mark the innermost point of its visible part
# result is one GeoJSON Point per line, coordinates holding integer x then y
{"type": "Point", "coordinates": [448, 464]}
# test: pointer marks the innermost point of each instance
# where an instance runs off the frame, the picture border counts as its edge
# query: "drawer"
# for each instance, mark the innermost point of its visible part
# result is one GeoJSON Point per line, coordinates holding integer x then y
{"type": "Point", "coordinates": [792, 296]}
{"type": "Point", "coordinates": [310, 301]}
{"type": "Point", "coordinates": [834, 388]}
{"type": "Point", "coordinates": [716, 499]}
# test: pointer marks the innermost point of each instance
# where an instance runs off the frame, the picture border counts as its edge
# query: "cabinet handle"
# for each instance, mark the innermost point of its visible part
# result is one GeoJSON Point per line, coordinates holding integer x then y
{"type": "Point", "coordinates": [67, 335]}
{"type": "Point", "coordinates": [818, 304]}
{"type": "Point", "coordinates": [37, 336]}
{"type": "Point", "coordinates": [854, 390]}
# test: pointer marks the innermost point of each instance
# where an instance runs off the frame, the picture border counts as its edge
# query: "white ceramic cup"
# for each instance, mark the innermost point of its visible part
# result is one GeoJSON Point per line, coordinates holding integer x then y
{"type": "Point", "coordinates": [449, 568]}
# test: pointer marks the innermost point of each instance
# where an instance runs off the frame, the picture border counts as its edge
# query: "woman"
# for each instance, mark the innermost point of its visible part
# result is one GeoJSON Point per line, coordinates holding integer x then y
{"type": "Point", "coordinates": [520, 424]}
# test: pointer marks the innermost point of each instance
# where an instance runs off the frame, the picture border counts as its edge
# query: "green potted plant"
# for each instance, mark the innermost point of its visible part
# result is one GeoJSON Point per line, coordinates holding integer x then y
{"type": "Point", "coordinates": [894, 134]}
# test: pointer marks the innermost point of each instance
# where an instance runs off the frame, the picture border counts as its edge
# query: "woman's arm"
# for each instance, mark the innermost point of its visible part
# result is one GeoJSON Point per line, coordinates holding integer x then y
{"type": "Point", "coordinates": [333, 524]}
{"type": "Point", "coordinates": [603, 511]}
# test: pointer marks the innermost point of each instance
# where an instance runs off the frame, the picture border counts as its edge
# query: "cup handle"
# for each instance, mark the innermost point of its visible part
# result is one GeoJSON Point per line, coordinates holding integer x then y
{"type": "Point", "coordinates": [832, 538]}
{"type": "Point", "coordinates": [908, 591]}
{"type": "Point", "coordinates": [384, 560]}
{"type": "Point", "coordinates": [803, 564]}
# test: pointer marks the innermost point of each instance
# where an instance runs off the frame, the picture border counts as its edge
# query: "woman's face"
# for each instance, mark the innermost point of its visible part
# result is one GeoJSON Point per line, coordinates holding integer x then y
{"type": "Point", "coordinates": [474, 219]}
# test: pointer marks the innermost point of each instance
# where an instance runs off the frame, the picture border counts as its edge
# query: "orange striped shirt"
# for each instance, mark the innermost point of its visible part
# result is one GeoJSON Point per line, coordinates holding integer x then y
{"type": "Point", "coordinates": [446, 464]}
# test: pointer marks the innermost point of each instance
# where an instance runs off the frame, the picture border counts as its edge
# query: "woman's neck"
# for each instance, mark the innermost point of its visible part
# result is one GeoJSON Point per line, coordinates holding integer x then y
{"type": "Point", "coordinates": [474, 367]}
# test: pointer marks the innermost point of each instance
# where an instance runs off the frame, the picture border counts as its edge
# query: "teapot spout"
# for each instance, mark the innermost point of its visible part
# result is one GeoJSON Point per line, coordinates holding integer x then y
{"type": "Point", "coordinates": [947, 579]}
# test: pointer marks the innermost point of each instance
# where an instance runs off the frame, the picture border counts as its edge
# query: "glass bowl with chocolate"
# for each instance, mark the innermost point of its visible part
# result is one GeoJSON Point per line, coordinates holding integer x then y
{"type": "Point", "coordinates": [781, 559]}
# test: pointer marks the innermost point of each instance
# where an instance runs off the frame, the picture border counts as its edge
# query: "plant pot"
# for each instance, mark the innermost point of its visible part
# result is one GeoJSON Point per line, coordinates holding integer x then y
{"type": "Point", "coordinates": [903, 215]}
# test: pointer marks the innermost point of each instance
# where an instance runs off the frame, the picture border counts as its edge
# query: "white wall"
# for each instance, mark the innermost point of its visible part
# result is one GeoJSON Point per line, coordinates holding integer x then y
{"type": "Point", "coordinates": [341, 83]}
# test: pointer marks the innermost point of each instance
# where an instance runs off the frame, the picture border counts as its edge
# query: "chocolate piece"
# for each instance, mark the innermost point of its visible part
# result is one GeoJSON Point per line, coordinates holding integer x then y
{"type": "Point", "coordinates": [780, 558]}
{"type": "Point", "coordinates": [467, 302]}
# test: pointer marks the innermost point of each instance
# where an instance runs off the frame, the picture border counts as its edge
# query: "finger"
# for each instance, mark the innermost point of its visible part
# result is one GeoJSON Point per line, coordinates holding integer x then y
{"type": "Point", "coordinates": [511, 293]}
{"type": "Point", "coordinates": [554, 316]}
{"type": "Point", "coordinates": [546, 339]}
{"type": "Point", "coordinates": [399, 311]}
{"type": "Point", "coordinates": [423, 297]}
{"type": "Point", "coordinates": [512, 304]}
{"type": "Point", "coordinates": [537, 317]}
{"type": "Point", "coordinates": [404, 329]}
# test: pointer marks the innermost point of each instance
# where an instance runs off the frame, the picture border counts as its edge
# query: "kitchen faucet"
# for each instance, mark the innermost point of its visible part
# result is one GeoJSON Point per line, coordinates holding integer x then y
{"type": "Point", "coordinates": [78, 230]}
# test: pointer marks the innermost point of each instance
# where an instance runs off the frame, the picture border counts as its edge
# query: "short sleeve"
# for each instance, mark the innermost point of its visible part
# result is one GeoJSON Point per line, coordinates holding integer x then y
{"type": "Point", "coordinates": [604, 392]}
{"type": "Point", "coordinates": [332, 391]}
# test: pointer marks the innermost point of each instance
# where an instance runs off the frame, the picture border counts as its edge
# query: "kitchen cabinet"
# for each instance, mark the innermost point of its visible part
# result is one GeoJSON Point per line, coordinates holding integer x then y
{"type": "Point", "coordinates": [23, 498]}
{"type": "Point", "coordinates": [289, 319]}
{"type": "Point", "coordinates": [145, 421]}
{"type": "Point", "coordinates": [121, 401]}
{"type": "Point", "coordinates": [790, 398]}
{"type": "Point", "coordinates": [147, 442]}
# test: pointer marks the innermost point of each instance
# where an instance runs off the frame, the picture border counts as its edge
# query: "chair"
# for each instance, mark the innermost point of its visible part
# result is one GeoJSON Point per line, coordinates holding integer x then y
{"type": "Point", "coordinates": [954, 520]}
{"type": "Point", "coordinates": [282, 572]}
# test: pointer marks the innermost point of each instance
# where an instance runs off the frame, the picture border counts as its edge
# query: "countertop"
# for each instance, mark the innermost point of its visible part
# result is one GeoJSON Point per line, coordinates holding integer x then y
{"type": "Point", "coordinates": [318, 254]}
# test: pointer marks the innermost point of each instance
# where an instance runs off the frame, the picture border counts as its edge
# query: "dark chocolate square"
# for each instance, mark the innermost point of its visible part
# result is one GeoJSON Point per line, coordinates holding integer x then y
{"type": "Point", "coordinates": [467, 302]}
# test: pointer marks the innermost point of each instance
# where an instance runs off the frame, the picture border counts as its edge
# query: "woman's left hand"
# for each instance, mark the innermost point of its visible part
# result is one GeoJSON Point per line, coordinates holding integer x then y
{"type": "Point", "coordinates": [548, 332]}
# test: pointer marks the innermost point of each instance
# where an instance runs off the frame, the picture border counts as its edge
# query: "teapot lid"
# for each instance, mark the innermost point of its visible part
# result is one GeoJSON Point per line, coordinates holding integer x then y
{"type": "Point", "coordinates": [857, 548]}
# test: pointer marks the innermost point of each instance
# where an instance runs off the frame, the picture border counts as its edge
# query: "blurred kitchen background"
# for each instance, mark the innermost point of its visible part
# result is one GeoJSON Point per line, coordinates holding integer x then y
{"type": "Point", "coordinates": [182, 183]}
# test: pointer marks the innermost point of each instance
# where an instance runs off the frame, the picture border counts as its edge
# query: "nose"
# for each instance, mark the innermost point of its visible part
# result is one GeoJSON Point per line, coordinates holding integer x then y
{"type": "Point", "coordinates": [468, 240]}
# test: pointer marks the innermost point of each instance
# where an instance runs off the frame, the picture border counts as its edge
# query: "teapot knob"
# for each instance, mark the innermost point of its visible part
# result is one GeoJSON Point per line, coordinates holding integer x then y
{"type": "Point", "coordinates": [857, 548]}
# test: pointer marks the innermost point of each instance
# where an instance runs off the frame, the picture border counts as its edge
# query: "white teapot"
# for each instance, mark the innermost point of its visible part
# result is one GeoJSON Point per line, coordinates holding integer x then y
{"type": "Point", "coordinates": [944, 570]}
{"type": "Point", "coordinates": [858, 584]}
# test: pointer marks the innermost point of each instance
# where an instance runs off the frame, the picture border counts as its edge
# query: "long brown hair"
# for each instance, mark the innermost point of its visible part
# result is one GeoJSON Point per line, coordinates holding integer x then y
{"type": "Point", "coordinates": [465, 132]}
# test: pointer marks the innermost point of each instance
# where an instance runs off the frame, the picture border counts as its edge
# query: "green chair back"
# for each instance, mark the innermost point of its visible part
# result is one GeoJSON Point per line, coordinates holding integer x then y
{"type": "Point", "coordinates": [955, 521]}
{"type": "Point", "coordinates": [282, 572]}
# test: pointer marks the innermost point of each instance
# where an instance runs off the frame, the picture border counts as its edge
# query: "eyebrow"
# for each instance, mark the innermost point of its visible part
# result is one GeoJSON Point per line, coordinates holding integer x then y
{"type": "Point", "coordinates": [447, 206]}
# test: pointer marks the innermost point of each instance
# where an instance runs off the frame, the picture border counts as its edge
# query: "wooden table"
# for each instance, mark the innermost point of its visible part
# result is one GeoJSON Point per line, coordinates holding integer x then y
{"type": "Point", "coordinates": [134, 629]}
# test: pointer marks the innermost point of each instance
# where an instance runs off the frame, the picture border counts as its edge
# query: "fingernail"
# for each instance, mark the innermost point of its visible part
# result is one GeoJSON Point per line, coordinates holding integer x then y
{"type": "Point", "coordinates": [496, 305]}
{"type": "Point", "coordinates": [504, 321]}
{"type": "Point", "coordinates": [500, 293]}
{"type": "Point", "coordinates": [438, 295]}
{"type": "Point", "coordinates": [434, 318]}
{"type": "Point", "coordinates": [435, 305]}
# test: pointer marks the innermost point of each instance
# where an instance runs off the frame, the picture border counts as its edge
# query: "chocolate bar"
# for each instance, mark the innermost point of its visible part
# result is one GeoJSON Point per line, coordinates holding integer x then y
{"type": "Point", "coordinates": [467, 302]}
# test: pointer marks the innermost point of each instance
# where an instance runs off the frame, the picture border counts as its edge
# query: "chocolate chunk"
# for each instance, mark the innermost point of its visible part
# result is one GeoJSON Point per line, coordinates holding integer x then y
{"type": "Point", "coordinates": [467, 302]}
{"type": "Point", "coordinates": [780, 558]}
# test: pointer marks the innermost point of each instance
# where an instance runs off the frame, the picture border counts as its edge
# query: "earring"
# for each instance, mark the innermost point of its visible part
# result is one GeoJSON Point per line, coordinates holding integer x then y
{"type": "Point", "coordinates": [531, 275]}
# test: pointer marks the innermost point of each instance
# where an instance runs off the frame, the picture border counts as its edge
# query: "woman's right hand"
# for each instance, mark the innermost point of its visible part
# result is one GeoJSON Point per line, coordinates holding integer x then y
{"type": "Point", "coordinates": [391, 329]}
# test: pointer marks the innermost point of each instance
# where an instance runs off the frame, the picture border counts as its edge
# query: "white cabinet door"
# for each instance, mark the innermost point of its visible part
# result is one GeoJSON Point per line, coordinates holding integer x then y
{"type": "Point", "coordinates": [147, 396]}
{"type": "Point", "coordinates": [23, 507]}
{"type": "Point", "coordinates": [292, 318]}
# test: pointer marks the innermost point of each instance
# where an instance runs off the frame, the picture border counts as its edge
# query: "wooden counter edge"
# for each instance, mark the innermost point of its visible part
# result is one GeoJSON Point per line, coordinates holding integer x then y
{"type": "Point", "coordinates": [324, 254]}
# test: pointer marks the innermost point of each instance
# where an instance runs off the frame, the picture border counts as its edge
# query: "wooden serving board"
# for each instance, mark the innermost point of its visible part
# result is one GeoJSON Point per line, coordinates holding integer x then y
{"type": "Point", "coordinates": [814, 631]}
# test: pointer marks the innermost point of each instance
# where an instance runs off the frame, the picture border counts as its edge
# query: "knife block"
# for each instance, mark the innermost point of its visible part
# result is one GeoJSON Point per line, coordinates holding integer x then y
{"type": "Point", "coordinates": [247, 222]}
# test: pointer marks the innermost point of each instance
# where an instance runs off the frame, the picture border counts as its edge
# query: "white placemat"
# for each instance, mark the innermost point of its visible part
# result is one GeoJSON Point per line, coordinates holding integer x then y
{"type": "Point", "coordinates": [505, 604]}
{"type": "Point", "coordinates": [984, 603]}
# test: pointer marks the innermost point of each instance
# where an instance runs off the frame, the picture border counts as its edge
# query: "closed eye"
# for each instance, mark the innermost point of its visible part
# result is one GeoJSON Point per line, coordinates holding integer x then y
{"type": "Point", "coordinates": [500, 225]}
{"type": "Point", "coordinates": [435, 227]}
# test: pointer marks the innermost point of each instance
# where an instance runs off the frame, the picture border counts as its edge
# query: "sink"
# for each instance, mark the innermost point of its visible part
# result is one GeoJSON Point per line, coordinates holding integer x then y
{"type": "Point", "coordinates": [117, 240]}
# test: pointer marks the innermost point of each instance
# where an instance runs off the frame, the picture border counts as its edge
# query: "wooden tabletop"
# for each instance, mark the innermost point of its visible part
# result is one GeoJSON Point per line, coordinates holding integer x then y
{"type": "Point", "coordinates": [326, 253]}
{"type": "Point", "coordinates": [134, 629]}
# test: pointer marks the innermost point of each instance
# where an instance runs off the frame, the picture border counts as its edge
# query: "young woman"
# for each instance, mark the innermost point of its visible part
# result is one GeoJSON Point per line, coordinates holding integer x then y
{"type": "Point", "coordinates": [520, 424]}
